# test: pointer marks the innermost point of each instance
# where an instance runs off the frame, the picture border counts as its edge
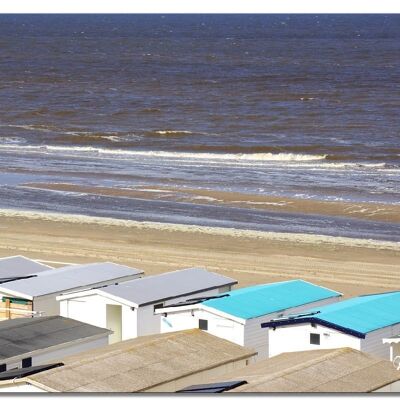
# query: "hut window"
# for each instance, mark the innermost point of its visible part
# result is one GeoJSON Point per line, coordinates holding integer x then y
{"type": "Point", "coordinates": [27, 362]}
{"type": "Point", "coordinates": [203, 324]}
{"type": "Point", "coordinates": [315, 338]}
{"type": "Point", "coordinates": [157, 306]}
{"type": "Point", "coordinates": [3, 367]}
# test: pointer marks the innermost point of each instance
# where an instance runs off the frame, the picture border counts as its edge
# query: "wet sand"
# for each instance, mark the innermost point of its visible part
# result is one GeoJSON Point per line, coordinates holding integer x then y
{"type": "Point", "coordinates": [367, 211]}
{"type": "Point", "coordinates": [351, 266]}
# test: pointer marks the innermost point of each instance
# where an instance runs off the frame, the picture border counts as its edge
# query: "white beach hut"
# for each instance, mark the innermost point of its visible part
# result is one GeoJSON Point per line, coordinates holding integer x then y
{"type": "Point", "coordinates": [360, 323]}
{"type": "Point", "coordinates": [129, 309]}
{"type": "Point", "coordinates": [237, 315]}
{"type": "Point", "coordinates": [37, 292]}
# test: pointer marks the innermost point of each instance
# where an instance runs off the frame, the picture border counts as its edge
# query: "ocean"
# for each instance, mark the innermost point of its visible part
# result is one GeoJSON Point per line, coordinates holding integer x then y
{"type": "Point", "coordinates": [236, 121]}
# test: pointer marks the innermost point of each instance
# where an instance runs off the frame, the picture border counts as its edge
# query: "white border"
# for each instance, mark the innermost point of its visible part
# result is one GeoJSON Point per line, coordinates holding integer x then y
{"type": "Point", "coordinates": [204, 6]}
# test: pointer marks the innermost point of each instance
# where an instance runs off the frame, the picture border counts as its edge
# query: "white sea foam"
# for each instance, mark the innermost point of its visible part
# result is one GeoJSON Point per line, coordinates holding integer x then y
{"type": "Point", "coordinates": [294, 160]}
{"type": "Point", "coordinates": [12, 140]}
{"type": "Point", "coordinates": [168, 154]}
{"type": "Point", "coordinates": [30, 127]}
{"type": "Point", "coordinates": [168, 132]}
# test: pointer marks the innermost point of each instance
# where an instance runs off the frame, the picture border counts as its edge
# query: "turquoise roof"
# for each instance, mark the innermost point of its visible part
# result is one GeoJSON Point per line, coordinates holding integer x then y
{"type": "Point", "coordinates": [363, 314]}
{"type": "Point", "coordinates": [255, 301]}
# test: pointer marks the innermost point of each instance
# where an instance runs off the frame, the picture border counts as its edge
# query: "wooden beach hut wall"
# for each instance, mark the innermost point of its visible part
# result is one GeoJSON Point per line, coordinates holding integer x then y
{"type": "Point", "coordinates": [360, 323]}
{"type": "Point", "coordinates": [130, 309]}
{"type": "Point", "coordinates": [237, 315]}
{"type": "Point", "coordinates": [35, 294]}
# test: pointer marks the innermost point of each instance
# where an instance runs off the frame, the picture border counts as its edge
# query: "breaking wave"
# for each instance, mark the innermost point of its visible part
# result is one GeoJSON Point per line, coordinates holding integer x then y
{"type": "Point", "coordinates": [167, 154]}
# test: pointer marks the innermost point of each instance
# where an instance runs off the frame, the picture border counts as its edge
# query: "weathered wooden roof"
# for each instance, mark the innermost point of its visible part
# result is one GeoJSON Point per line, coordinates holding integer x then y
{"type": "Point", "coordinates": [141, 364]}
{"type": "Point", "coordinates": [324, 371]}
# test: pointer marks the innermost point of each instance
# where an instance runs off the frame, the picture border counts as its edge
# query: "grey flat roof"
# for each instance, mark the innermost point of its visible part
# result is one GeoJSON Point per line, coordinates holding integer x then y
{"type": "Point", "coordinates": [24, 335]}
{"type": "Point", "coordinates": [20, 266]}
{"type": "Point", "coordinates": [167, 286]}
{"type": "Point", "coordinates": [68, 278]}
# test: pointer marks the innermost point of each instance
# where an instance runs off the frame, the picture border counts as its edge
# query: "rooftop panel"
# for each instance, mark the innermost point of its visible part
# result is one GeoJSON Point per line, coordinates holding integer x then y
{"type": "Point", "coordinates": [363, 314]}
{"type": "Point", "coordinates": [68, 278]}
{"type": "Point", "coordinates": [169, 285]}
{"type": "Point", "coordinates": [20, 266]}
{"type": "Point", "coordinates": [255, 301]}
{"type": "Point", "coordinates": [357, 316]}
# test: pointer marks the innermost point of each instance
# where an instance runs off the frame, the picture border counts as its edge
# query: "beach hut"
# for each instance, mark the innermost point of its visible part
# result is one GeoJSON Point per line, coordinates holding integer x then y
{"type": "Point", "coordinates": [16, 268]}
{"type": "Point", "coordinates": [360, 323]}
{"type": "Point", "coordinates": [155, 363]}
{"type": "Point", "coordinates": [129, 309]}
{"type": "Point", "coordinates": [318, 371]}
{"type": "Point", "coordinates": [37, 292]}
{"type": "Point", "coordinates": [236, 315]}
{"type": "Point", "coordinates": [29, 342]}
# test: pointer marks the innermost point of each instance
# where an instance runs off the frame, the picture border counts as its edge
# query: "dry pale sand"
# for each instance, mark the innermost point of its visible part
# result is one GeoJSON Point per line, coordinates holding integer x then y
{"type": "Point", "coordinates": [351, 266]}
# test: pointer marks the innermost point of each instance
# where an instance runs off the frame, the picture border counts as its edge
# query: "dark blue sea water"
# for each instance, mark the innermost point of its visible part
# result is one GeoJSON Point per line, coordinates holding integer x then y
{"type": "Point", "coordinates": [301, 106]}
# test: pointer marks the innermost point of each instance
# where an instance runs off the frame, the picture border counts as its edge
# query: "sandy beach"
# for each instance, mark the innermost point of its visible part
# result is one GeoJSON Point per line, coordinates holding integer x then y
{"type": "Point", "coordinates": [351, 266]}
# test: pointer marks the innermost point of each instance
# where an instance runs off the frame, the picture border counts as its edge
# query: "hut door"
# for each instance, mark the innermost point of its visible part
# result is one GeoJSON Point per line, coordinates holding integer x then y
{"type": "Point", "coordinates": [114, 322]}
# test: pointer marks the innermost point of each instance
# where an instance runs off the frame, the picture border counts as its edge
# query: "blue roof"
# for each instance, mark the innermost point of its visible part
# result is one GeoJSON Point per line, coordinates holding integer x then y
{"type": "Point", "coordinates": [363, 314]}
{"type": "Point", "coordinates": [255, 301]}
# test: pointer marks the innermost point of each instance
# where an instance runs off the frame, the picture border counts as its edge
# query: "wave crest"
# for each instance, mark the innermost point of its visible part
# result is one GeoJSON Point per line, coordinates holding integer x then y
{"type": "Point", "coordinates": [170, 154]}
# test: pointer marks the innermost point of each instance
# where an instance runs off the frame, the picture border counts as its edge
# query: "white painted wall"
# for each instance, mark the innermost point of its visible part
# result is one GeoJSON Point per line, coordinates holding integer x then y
{"type": "Point", "coordinates": [248, 333]}
{"type": "Point", "coordinates": [373, 341]}
{"type": "Point", "coordinates": [138, 322]}
{"type": "Point", "coordinates": [48, 304]}
{"type": "Point", "coordinates": [297, 338]}
{"type": "Point", "coordinates": [392, 387]}
{"type": "Point", "coordinates": [91, 309]}
{"type": "Point", "coordinates": [150, 323]}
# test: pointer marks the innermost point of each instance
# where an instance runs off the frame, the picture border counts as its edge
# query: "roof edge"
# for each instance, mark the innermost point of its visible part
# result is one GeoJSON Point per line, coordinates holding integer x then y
{"type": "Point", "coordinates": [293, 321]}
{"type": "Point", "coordinates": [186, 294]}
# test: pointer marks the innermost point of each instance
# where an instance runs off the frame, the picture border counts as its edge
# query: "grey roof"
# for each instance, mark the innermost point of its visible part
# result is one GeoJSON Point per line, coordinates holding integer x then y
{"type": "Point", "coordinates": [68, 278]}
{"type": "Point", "coordinates": [20, 266]}
{"type": "Point", "coordinates": [324, 371]}
{"type": "Point", "coordinates": [167, 286]}
{"type": "Point", "coordinates": [142, 364]}
{"type": "Point", "coordinates": [24, 335]}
